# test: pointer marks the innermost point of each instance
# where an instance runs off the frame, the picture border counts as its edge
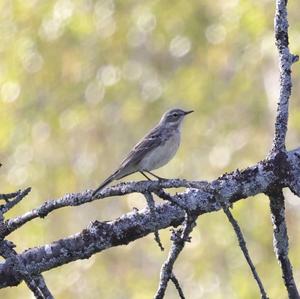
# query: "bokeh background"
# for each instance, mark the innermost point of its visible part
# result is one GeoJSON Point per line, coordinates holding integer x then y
{"type": "Point", "coordinates": [82, 81]}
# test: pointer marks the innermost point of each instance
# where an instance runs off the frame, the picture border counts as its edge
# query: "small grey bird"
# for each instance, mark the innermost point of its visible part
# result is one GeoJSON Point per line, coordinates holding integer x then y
{"type": "Point", "coordinates": [153, 151]}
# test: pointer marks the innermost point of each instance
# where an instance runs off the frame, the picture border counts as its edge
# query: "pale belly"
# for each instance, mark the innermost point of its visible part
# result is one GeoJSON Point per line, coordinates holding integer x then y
{"type": "Point", "coordinates": [162, 155]}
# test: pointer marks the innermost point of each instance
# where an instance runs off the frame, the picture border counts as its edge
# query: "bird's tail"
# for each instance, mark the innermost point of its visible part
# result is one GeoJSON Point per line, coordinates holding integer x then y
{"type": "Point", "coordinates": [106, 182]}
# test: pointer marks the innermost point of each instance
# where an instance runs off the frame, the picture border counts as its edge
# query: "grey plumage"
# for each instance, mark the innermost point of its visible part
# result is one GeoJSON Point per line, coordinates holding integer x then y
{"type": "Point", "coordinates": [154, 150]}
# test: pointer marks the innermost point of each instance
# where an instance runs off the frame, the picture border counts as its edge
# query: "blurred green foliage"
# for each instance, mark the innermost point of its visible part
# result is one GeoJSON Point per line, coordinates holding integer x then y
{"type": "Point", "coordinates": [81, 81]}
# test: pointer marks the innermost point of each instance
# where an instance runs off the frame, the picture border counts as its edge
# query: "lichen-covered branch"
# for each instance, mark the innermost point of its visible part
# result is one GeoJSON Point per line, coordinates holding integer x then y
{"type": "Point", "coordinates": [179, 237]}
{"type": "Point", "coordinates": [254, 179]}
{"type": "Point", "coordinates": [281, 241]}
{"type": "Point", "coordinates": [201, 198]}
{"type": "Point", "coordinates": [280, 236]}
{"type": "Point", "coordinates": [77, 199]}
{"type": "Point", "coordinates": [35, 283]}
{"type": "Point", "coordinates": [286, 59]}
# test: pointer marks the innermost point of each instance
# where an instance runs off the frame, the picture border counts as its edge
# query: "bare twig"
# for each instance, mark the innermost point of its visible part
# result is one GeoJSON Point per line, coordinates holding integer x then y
{"type": "Point", "coordinates": [8, 196]}
{"type": "Point", "coordinates": [286, 59]}
{"type": "Point", "coordinates": [151, 205]}
{"type": "Point", "coordinates": [177, 286]}
{"type": "Point", "coordinates": [179, 237]}
{"type": "Point", "coordinates": [243, 246]}
{"type": "Point", "coordinates": [40, 282]}
{"type": "Point", "coordinates": [18, 197]}
{"type": "Point", "coordinates": [281, 241]}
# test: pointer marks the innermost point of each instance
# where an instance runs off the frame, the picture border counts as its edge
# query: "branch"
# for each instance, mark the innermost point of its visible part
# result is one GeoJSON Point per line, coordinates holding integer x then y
{"type": "Point", "coordinates": [8, 196]}
{"type": "Point", "coordinates": [35, 283]}
{"type": "Point", "coordinates": [179, 238]}
{"type": "Point", "coordinates": [243, 246]}
{"type": "Point", "coordinates": [151, 205]}
{"type": "Point", "coordinates": [281, 241]}
{"type": "Point", "coordinates": [177, 286]}
{"type": "Point", "coordinates": [41, 284]}
{"type": "Point", "coordinates": [77, 199]}
{"type": "Point", "coordinates": [99, 236]}
{"type": "Point", "coordinates": [286, 59]}
{"type": "Point", "coordinates": [283, 168]}
{"type": "Point", "coordinates": [18, 196]}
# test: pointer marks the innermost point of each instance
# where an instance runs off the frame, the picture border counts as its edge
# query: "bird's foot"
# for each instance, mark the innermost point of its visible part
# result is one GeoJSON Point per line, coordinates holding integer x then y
{"type": "Point", "coordinates": [156, 176]}
{"type": "Point", "coordinates": [145, 176]}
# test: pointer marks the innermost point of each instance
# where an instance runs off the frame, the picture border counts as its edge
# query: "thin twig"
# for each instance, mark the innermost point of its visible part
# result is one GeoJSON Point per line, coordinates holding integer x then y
{"type": "Point", "coordinates": [151, 205]}
{"type": "Point", "coordinates": [281, 241]}
{"type": "Point", "coordinates": [40, 282]}
{"type": "Point", "coordinates": [177, 286]}
{"type": "Point", "coordinates": [243, 246]}
{"type": "Point", "coordinates": [10, 204]}
{"type": "Point", "coordinates": [8, 196]}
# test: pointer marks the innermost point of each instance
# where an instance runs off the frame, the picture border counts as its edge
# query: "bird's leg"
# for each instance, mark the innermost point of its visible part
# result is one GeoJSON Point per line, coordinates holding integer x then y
{"type": "Point", "coordinates": [145, 176]}
{"type": "Point", "coordinates": [156, 176]}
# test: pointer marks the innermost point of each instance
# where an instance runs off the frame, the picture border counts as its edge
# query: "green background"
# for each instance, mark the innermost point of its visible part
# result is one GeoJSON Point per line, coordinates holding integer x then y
{"type": "Point", "coordinates": [82, 81]}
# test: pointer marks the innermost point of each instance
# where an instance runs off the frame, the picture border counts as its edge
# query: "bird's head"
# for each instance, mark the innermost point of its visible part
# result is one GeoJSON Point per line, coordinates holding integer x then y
{"type": "Point", "coordinates": [174, 117]}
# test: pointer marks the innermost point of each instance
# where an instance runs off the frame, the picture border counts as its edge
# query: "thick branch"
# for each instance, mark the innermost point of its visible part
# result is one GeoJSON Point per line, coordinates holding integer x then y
{"type": "Point", "coordinates": [35, 283]}
{"type": "Point", "coordinates": [281, 241]}
{"type": "Point", "coordinates": [286, 59]}
{"type": "Point", "coordinates": [209, 197]}
{"type": "Point", "coordinates": [77, 199]}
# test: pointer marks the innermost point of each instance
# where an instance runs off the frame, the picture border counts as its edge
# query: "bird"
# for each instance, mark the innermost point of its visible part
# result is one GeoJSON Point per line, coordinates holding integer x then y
{"type": "Point", "coordinates": [154, 150]}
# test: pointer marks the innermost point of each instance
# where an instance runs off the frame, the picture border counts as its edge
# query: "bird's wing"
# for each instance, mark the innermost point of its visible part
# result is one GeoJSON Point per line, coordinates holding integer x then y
{"type": "Point", "coordinates": [150, 141]}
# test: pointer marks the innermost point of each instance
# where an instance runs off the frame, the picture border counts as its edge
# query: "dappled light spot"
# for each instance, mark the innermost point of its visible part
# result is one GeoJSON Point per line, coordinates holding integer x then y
{"type": "Point", "coordinates": [63, 9]}
{"type": "Point", "coordinates": [109, 75]}
{"type": "Point", "coordinates": [40, 131]}
{"type": "Point", "coordinates": [53, 26]}
{"type": "Point", "coordinates": [17, 175]}
{"type": "Point", "coordinates": [84, 163]}
{"type": "Point", "coordinates": [104, 19]}
{"type": "Point", "coordinates": [151, 90]}
{"type": "Point", "coordinates": [10, 91]}
{"type": "Point", "coordinates": [180, 46]}
{"type": "Point", "coordinates": [32, 62]}
{"type": "Point", "coordinates": [23, 154]}
{"type": "Point", "coordinates": [146, 21]}
{"type": "Point", "coordinates": [68, 119]}
{"type": "Point", "coordinates": [51, 29]}
{"type": "Point", "coordinates": [132, 70]}
{"type": "Point", "coordinates": [136, 38]}
{"type": "Point", "coordinates": [215, 34]}
{"type": "Point", "coordinates": [94, 92]}
{"type": "Point", "coordinates": [219, 156]}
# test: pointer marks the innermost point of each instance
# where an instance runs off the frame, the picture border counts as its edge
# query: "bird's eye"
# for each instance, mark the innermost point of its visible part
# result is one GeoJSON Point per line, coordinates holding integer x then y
{"type": "Point", "coordinates": [175, 114]}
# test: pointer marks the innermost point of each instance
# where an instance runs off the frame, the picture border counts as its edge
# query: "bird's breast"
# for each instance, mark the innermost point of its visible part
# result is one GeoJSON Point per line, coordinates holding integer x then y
{"type": "Point", "coordinates": [161, 155]}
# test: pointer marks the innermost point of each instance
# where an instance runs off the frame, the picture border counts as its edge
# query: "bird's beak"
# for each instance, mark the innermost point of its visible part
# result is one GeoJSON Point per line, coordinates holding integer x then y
{"type": "Point", "coordinates": [188, 112]}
